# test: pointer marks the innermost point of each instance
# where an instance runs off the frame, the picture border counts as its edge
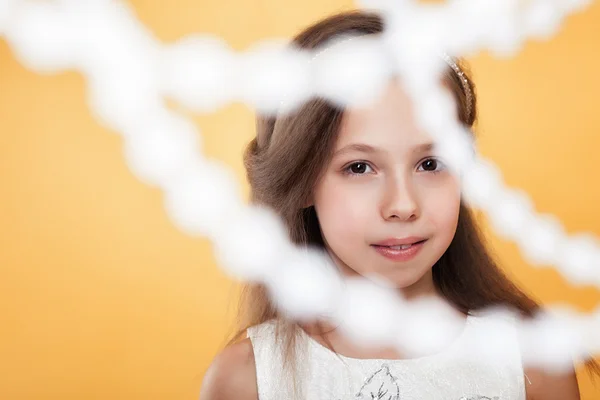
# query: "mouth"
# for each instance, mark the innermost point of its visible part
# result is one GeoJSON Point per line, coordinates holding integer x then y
{"type": "Point", "coordinates": [402, 252]}
{"type": "Point", "coordinates": [400, 246]}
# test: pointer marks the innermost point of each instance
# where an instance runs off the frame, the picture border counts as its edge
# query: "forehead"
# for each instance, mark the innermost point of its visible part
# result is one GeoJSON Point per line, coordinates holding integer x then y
{"type": "Point", "coordinates": [387, 121]}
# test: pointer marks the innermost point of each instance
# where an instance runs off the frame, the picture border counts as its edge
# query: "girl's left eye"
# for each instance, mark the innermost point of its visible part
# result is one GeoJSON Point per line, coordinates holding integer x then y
{"type": "Point", "coordinates": [432, 165]}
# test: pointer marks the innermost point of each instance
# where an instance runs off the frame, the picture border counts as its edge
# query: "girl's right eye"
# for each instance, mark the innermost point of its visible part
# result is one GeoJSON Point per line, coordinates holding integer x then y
{"type": "Point", "coordinates": [357, 168]}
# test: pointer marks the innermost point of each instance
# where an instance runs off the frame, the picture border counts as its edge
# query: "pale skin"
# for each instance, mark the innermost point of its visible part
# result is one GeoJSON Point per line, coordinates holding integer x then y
{"type": "Point", "coordinates": [390, 185]}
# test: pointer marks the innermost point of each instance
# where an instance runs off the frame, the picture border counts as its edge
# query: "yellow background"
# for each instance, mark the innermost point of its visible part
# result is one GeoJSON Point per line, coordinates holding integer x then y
{"type": "Point", "coordinates": [101, 297]}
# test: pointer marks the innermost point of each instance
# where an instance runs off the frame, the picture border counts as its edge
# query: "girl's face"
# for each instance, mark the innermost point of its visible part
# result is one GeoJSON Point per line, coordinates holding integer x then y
{"type": "Point", "coordinates": [384, 183]}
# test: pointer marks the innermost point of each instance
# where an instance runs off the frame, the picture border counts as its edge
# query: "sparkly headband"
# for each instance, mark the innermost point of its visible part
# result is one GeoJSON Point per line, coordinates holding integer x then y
{"type": "Point", "coordinates": [463, 80]}
{"type": "Point", "coordinates": [451, 63]}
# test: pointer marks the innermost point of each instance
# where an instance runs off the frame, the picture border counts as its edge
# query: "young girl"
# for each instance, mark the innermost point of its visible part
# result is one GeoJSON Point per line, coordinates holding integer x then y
{"type": "Point", "coordinates": [355, 182]}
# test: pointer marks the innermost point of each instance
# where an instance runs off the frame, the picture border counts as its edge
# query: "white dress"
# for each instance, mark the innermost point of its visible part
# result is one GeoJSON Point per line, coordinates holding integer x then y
{"type": "Point", "coordinates": [454, 374]}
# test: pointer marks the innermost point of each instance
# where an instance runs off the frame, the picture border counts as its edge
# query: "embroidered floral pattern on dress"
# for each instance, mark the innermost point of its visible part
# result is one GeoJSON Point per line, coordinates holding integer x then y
{"type": "Point", "coordinates": [380, 386]}
{"type": "Point", "coordinates": [479, 398]}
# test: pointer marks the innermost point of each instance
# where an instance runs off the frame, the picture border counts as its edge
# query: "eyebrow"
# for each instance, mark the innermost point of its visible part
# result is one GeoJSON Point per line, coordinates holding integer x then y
{"type": "Point", "coordinates": [365, 148]}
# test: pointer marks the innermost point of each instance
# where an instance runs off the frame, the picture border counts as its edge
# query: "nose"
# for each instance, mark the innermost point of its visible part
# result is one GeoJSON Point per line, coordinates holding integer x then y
{"type": "Point", "coordinates": [399, 200]}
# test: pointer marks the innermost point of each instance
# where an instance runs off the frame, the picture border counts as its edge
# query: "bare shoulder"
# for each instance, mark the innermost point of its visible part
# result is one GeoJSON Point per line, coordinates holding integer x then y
{"type": "Point", "coordinates": [549, 386]}
{"type": "Point", "coordinates": [232, 374]}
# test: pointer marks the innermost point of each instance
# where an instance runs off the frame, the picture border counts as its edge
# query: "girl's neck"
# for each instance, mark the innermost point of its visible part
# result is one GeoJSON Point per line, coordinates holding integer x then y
{"type": "Point", "coordinates": [328, 335]}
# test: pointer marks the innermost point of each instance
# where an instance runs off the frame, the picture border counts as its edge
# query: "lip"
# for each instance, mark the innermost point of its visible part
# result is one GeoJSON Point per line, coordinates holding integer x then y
{"type": "Point", "coordinates": [400, 255]}
{"type": "Point", "coordinates": [398, 242]}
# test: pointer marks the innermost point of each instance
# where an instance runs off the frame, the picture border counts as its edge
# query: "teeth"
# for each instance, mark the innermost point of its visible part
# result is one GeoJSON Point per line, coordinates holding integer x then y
{"type": "Point", "coordinates": [401, 247]}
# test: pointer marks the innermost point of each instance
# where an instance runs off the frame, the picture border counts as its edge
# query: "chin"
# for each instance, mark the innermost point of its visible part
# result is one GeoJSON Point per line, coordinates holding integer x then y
{"type": "Point", "coordinates": [399, 280]}
{"type": "Point", "coordinates": [405, 283]}
{"type": "Point", "coordinates": [407, 279]}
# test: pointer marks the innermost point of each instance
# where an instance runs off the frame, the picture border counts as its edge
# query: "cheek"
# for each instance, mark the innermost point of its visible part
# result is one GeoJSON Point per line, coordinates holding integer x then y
{"type": "Point", "coordinates": [443, 210]}
{"type": "Point", "coordinates": [342, 212]}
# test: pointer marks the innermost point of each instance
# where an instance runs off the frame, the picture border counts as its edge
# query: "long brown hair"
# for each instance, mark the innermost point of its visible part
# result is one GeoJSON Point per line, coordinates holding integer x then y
{"type": "Point", "coordinates": [282, 172]}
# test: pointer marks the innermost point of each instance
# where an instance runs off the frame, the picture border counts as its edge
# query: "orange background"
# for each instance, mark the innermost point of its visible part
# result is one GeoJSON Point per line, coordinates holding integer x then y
{"type": "Point", "coordinates": [103, 298]}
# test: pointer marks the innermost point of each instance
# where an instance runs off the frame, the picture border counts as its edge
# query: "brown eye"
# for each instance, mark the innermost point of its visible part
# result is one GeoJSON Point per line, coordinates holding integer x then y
{"type": "Point", "coordinates": [429, 165]}
{"type": "Point", "coordinates": [357, 168]}
{"type": "Point", "coordinates": [432, 165]}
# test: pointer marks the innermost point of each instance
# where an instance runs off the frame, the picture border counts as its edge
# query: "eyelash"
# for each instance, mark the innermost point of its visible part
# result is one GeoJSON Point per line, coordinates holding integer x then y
{"type": "Point", "coordinates": [348, 172]}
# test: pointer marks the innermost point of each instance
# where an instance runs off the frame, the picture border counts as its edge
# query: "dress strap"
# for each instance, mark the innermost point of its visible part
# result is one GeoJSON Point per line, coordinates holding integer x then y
{"type": "Point", "coordinates": [272, 376]}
